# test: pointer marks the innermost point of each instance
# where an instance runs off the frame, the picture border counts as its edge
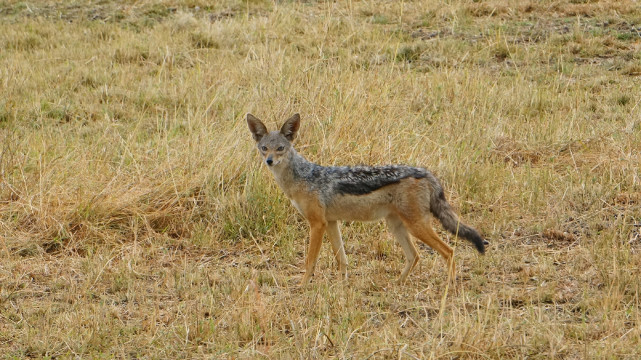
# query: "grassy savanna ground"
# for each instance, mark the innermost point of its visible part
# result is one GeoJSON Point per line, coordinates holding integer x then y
{"type": "Point", "coordinates": [136, 219]}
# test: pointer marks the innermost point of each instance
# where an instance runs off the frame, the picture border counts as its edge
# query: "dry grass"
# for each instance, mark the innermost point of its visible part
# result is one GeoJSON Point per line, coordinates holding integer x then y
{"type": "Point", "coordinates": [137, 221]}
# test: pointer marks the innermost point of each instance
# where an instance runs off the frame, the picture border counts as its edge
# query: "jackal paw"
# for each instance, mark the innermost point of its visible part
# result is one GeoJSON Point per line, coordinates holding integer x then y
{"type": "Point", "coordinates": [306, 279]}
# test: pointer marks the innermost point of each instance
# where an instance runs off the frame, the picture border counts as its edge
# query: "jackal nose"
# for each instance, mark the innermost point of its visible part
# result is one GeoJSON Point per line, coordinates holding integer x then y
{"type": "Point", "coordinates": [269, 161]}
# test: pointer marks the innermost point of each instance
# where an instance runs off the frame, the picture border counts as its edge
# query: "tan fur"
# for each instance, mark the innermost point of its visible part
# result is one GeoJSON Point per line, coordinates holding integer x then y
{"type": "Point", "coordinates": [404, 217]}
{"type": "Point", "coordinates": [404, 204]}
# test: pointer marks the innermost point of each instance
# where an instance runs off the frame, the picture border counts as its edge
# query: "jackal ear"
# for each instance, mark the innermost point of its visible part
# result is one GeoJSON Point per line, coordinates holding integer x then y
{"type": "Point", "coordinates": [256, 127]}
{"type": "Point", "coordinates": [290, 127]}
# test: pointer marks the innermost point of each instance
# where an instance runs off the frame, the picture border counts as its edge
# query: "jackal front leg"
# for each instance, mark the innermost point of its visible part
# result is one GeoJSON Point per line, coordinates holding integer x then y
{"type": "Point", "coordinates": [334, 234]}
{"type": "Point", "coordinates": [317, 229]}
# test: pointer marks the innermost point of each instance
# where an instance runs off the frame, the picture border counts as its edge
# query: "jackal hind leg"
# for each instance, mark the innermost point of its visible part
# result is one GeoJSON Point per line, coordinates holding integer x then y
{"type": "Point", "coordinates": [334, 233]}
{"type": "Point", "coordinates": [398, 229]}
{"type": "Point", "coordinates": [423, 230]}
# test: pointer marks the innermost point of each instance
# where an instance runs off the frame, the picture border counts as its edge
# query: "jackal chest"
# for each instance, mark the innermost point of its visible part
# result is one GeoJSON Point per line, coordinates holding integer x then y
{"type": "Point", "coordinates": [297, 197]}
{"type": "Point", "coordinates": [307, 204]}
{"type": "Point", "coordinates": [297, 206]}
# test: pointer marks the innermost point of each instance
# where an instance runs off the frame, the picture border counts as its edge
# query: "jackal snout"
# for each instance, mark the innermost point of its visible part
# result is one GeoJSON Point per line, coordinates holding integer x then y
{"type": "Point", "coordinates": [273, 158]}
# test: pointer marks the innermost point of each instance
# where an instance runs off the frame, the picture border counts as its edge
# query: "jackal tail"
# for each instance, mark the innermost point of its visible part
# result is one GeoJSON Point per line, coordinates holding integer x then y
{"type": "Point", "coordinates": [442, 210]}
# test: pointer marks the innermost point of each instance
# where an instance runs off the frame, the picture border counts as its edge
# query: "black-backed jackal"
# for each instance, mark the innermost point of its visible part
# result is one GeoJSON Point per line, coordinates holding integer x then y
{"type": "Point", "coordinates": [404, 196]}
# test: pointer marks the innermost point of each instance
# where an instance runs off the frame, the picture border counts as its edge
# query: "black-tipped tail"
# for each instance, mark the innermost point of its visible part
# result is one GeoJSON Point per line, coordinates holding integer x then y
{"type": "Point", "coordinates": [442, 210]}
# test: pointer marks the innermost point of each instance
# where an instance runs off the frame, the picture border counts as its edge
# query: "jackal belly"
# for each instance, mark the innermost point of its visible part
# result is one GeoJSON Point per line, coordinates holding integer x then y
{"type": "Point", "coordinates": [368, 207]}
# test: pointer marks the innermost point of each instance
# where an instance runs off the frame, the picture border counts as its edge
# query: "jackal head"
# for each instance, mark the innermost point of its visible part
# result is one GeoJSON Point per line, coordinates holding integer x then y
{"type": "Point", "coordinates": [274, 146]}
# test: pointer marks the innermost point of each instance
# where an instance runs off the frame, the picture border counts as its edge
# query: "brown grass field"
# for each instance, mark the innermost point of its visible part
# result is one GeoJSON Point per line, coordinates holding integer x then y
{"type": "Point", "coordinates": [137, 221]}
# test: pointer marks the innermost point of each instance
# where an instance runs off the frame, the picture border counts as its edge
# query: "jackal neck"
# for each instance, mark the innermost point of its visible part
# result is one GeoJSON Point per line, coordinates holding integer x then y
{"type": "Point", "coordinates": [294, 168]}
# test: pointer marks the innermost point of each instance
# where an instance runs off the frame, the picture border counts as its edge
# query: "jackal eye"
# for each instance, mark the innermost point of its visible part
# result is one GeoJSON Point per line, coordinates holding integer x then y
{"type": "Point", "coordinates": [280, 148]}
{"type": "Point", "coordinates": [264, 148]}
